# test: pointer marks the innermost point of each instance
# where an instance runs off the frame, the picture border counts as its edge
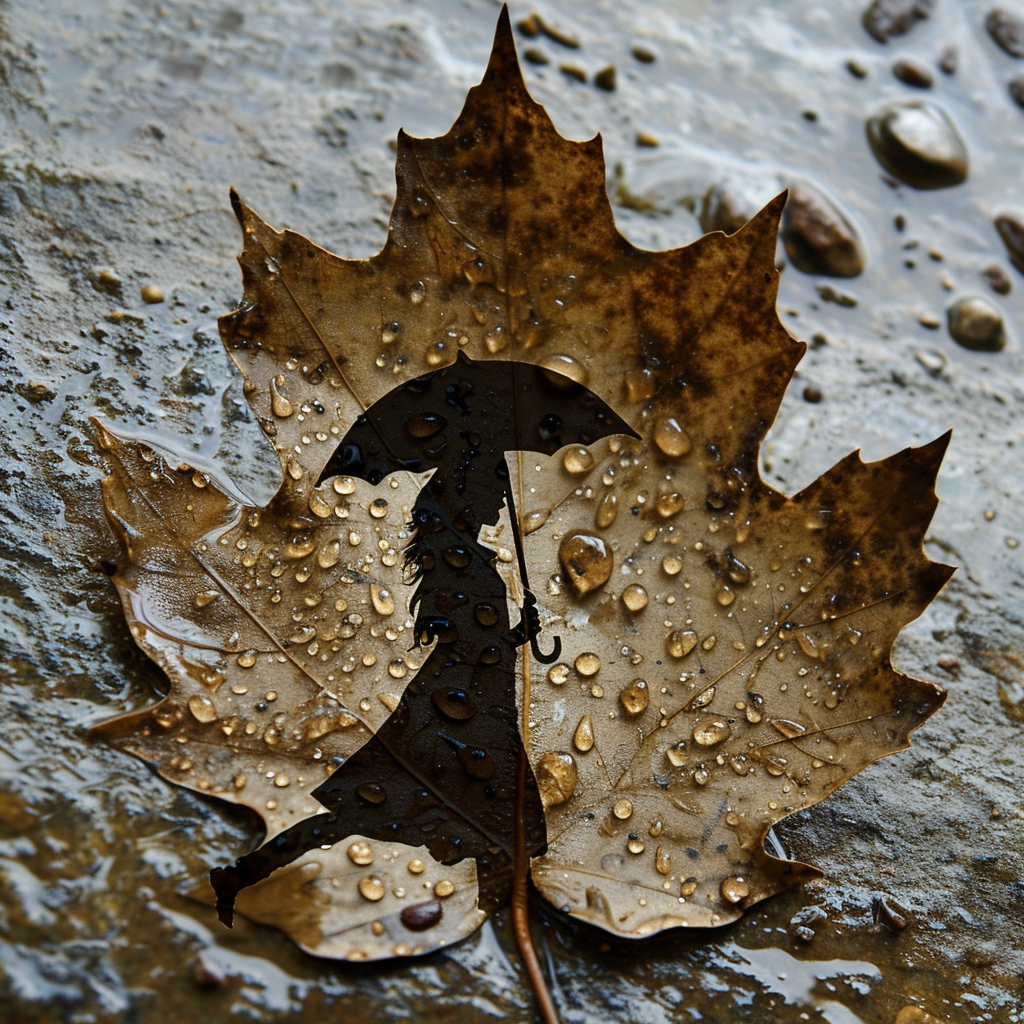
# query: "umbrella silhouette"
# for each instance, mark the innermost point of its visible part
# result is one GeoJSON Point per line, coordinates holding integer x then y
{"type": "Point", "coordinates": [447, 766]}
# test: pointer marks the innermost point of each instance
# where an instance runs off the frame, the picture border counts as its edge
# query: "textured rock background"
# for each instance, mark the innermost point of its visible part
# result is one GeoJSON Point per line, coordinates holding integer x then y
{"type": "Point", "coordinates": [122, 127]}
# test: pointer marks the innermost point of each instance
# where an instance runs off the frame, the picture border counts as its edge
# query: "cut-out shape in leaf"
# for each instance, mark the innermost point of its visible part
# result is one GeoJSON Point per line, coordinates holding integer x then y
{"type": "Point", "coordinates": [724, 650]}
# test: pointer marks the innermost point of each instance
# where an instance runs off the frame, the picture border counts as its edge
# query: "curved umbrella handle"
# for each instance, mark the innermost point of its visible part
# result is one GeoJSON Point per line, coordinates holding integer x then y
{"type": "Point", "coordinates": [531, 624]}
{"type": "Point", "coordinates": [546, 659]}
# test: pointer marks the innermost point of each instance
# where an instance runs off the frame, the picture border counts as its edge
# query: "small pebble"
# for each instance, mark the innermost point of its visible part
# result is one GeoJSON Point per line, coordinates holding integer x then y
{"type": "Point", "coordinates": [642, 54]}
{"type": "Point", "coordinates": [917, 142]}
{"type": "Point", "coordinates": [929, 320]}
{"type": "Point", "coordinates": [107, 281]}
{"type": "Point", "coordinates": [887, 18]}
{"type": "Point", "coordinates": [151, 293]}
{"type": "Point", "coordinates": [1007, 31]}
{"type": "Point", "coordinates": [646, 140]}
{"type": "Point", "coordinates": [727, 208]}
{"type": "Point", "coordinates": [932, 361]}
{"type": "Point", "coordinates": [534, 25]}
{"type": "Point", "coordinates": [1016, 87]}
{"type": "Point", "coordinates": [535, 56]}
{"type": "Point", "coordinates": [976, 324]}
{"type": "Point", "coordinates": [888, 913]}
{"type": "Point", "coordinates": [529, 26]}
{"type": "Point", "coordinates": [948, 60]}
{"type": "Point", "coordinates": [911, 73]}
{"type": "Point", "coordinates": [812, 394]}
{"type": "Point", "coordinates": [1011, 231]}
{"type": "Point", "coordinates": [828, 294]}
{"type": "Point", "coordinates": [605, 79]}
{"type": "Point", "coordinates": [36, 391]}
{"type": "Point", "coordinates": [997, 279]}
{"type": "Point", "coordinates": [856, 69]}
{"type": "Point", "coordinates": [571, 71]}
{"type": "Point", "coordinates": [817, 237]}
{"type": "Point", "coordinates": [804, 934]}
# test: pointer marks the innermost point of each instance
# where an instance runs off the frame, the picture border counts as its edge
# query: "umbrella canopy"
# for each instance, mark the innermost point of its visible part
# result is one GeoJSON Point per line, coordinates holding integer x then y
{"type": "Point", "coordinates": [461, 420]}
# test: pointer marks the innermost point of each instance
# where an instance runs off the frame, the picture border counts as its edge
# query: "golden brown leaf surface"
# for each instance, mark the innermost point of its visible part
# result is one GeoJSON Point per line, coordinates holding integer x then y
{"type": "Point", "coordinates": [726, 649]}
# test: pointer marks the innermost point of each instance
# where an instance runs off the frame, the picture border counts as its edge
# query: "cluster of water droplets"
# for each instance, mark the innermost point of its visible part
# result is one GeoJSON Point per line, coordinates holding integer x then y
{"type": "Point", "coordinates": [287, 638]}
{"type": "Point", "coordinates": [699, 650]}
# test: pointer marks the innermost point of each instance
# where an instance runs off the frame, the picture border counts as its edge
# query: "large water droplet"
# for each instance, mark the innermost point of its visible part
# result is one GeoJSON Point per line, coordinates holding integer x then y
{"type": "Point", "coordinates": [454, 703]}
{"type": "Point", "coordinates": [556, 778]}
{"type": "Point", "coordinates": [587, 664]}
{"type": "Point", "coordinates": [458, 556]}
{"type": "Point", "coordinates": [640, 385]}
{"type": "Point", "coordinates": [535, 520]}
{"type": "Point", "coordinates": [681, 642]}
{"type": "Point", "coordinates": [663, 861]}
{"type": "Point", "coordinates": [578, 459]}
{"type": "Point", "coordinates": [623, 809]}
{"type": "Point", "coordinates": [383, 602]}
{"type": "Point", "coordinates": [788, 729]}
{"type": "Point", "coordinates": [371, 887]}
{"type": "Point", "coordinates": [676, 755]}
{"type": "Point", "coordinates": [567, 366]}
{"type": "Point", "coordinates": [607, 510]}
{"type": "Point", "coordinates": [320, 508]}
{"type": "Point", "coordinates": [634, 597]}
{"type": "Point", "coordinates": [281, 406]}
{"type": "Point", "coordinates": [702, 699]}
{"type": "Point", "coordinates": [734, 889]}
{"type": "Point", "coordinates": [711, 732]}
{"type": "Point", "coordinates": [330, 554]}
{"type": "Point", "coordinates": [558, 675]}
{"type": "Point", "coordinates": [583, 738]}
{"type": "Point", "coordinates": [669, 503]}
{"type": "Point", "coordinates": [299, 546]}
{"type": "Point", "coordinates": [635, 697]}
{"type": "Point", "coordinates": [670, 437]}
{"type": "Point", "coordinates": [203, 709]}
{"type": "Point", "coordinates": [586, 561]}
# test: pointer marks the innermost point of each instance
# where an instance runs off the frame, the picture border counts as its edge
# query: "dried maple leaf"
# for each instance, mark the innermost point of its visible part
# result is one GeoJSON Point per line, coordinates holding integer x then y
{"type": "Point", "coordinates": [725, 649]}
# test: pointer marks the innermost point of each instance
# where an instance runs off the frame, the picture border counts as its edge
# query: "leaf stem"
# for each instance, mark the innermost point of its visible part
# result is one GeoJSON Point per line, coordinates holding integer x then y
{"type": "Point", "coordinates": [521, 907]}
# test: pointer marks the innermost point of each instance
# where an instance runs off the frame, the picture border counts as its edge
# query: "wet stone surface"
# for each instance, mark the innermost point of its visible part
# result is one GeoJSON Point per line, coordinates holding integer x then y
{"type": "Point", "coordinates": [124, 126]}
{"type": "Point", "coordinates": [887, 18]}
{"type": "Point", "coordinates": [1007, 30]}
{"type": "Point", "coordinates": [918, 143]}
{"type": "Point", "coordinates": [817, 237]}
{"type": "Point", "coordinates": [1011, 231]}
{"type": "Point", "coordinates": [976, 324]}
